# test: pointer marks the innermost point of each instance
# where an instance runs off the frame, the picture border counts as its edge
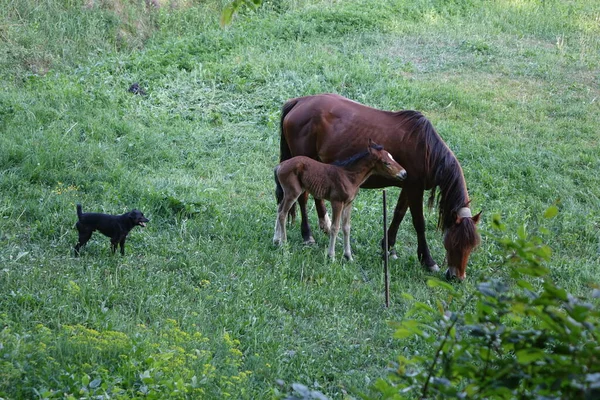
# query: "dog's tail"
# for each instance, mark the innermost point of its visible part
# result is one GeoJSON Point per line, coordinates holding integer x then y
{"type": "Point", "coordinates": [79, 211]}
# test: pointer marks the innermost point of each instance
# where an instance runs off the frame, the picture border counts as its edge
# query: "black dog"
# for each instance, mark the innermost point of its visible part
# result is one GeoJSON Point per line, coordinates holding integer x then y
{"type": "Point", "coordinates": [116, 227]}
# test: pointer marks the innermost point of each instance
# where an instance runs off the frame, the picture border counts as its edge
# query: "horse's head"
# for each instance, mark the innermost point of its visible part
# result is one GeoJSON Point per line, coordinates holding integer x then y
{"type": "Point", "coordinates": [385, 164]}
{"type": "Point", "coordinates": [459, 240]}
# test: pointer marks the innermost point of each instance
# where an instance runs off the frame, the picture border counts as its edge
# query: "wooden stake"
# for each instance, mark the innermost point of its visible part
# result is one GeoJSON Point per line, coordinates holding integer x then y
{"type": "Point", "coordinates": [386, 273]}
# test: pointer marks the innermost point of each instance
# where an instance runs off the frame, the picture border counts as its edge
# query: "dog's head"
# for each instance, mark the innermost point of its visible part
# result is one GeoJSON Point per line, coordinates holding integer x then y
{"type": "Point", "coordinates": [137, 217]}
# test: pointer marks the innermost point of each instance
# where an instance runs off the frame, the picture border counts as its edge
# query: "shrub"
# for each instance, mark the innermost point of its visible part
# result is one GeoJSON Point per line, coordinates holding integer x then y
{"type": "Point", "coordinates": [517, 336]}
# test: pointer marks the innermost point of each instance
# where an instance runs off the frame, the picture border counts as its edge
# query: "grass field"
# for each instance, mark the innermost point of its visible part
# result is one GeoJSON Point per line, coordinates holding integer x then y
{"type": "Point", "coordinates": [202, 304]}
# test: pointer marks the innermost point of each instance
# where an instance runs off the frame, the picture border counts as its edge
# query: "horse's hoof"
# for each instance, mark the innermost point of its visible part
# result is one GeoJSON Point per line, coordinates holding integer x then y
{"type": "Point", "coordinates": [325, 225]}
{"type": "Point", "coordinates": [433, 268]}
{"type": "Point", "coordinates": [391, 255]}
{"type": "Point", "coordinates": [348, 257]}
{"type": "Point", "coordinates": [310, 241]}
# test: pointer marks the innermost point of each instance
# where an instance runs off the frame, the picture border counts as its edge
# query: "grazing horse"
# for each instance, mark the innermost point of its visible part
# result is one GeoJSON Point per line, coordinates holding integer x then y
{"type": "Point", "coordinates": [329, 127]}
{"type": "Point", "coordinates": [339, 183]}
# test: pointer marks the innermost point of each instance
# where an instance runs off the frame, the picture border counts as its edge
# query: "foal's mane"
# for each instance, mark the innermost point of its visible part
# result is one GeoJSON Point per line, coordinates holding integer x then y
{"type": "Point", "coordinates": [442, 169]}
{"type": "Point", "coordinates": [355, 158]}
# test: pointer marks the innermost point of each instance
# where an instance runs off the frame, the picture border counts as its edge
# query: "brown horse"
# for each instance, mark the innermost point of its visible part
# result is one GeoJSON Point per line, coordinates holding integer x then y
{"type": "Point", "coordinates": [339, 183]}
{"type": "Point", "coordinates": [329, 127]}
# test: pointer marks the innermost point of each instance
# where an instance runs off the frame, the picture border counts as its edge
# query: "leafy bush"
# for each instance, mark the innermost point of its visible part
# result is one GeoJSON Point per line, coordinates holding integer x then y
{"type": "Point", "coordinates": [520, 336]}
{"type": "Point", "coordinates": [79, 362]}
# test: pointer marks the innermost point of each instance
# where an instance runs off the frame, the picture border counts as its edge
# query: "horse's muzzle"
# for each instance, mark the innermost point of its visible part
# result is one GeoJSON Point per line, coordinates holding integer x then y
{"type": "Point", "coordinates": [401, 175]}
{"type": "Point", "coordinates": [451, 275]}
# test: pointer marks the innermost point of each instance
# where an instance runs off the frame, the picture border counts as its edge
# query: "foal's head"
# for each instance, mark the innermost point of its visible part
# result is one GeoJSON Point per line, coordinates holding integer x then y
{"type": "Point", "coordinates": [385, 164]}
{"type": "Point", "coordinates": [459, 241]}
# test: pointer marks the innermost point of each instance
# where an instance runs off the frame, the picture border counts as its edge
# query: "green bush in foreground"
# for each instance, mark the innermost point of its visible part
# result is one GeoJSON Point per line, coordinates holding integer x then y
{"type": "Point", "coordinates": [527, 339]}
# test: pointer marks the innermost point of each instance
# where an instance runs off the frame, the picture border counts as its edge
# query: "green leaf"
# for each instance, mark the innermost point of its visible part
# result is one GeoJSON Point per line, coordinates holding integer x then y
{"type": "Point", "coordinates": [407, 296]}
{"type": "Point", "coordinates": [95, 383]}
{"type": "Point", "coordinates": [227, 14]}
{"type": "Point", "coordinates": [408, 328]}
{"type": "Point", "coordinates": [437, 283]}
{"type": "Point", "coordinates": [522, 232]}
{"type": "Point", "coordinates": [551, 212]}
{"type": "Point", "coordinates": [527, 356]}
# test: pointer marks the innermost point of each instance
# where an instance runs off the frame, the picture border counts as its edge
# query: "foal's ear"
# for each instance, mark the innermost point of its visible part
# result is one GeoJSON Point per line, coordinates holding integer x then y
{"type": "Point", "coordinates": [370, 148]}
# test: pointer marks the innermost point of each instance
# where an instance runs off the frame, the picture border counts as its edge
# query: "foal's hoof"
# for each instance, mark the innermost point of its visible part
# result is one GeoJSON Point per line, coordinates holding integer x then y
{"type": "Point", "coordinates": [348, 257]}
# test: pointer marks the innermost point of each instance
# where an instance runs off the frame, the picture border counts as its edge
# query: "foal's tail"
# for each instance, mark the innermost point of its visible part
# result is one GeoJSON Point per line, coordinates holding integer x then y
{"type": "Point", "coordinates": [284, 154]}
{"type": "Point", "coordinates": [278, 188]}
{"type": "Point", "coordinates": [79, 211]}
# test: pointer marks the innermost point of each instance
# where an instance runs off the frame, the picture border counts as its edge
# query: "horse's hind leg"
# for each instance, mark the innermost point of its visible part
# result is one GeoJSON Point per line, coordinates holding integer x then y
{"type": "Point", "coordinates": [324, 221]}
{"type": "Point", "coordinates": [416, 211]}
{"type": "Point", "coordinates": [304, 227]}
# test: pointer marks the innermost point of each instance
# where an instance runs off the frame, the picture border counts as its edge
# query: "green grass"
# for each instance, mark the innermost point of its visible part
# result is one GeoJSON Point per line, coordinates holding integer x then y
{"type": "Point", "coordinates": [512, 86]}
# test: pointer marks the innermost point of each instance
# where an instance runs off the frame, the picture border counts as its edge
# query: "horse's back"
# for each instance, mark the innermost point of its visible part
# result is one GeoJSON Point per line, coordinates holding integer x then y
{"type": "Point", "coordinates": [330, 127]}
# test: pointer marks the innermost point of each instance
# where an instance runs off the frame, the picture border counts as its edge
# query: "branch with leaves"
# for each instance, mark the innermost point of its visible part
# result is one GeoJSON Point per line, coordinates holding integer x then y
{"type": "Point", "coordinates": [233, 7]}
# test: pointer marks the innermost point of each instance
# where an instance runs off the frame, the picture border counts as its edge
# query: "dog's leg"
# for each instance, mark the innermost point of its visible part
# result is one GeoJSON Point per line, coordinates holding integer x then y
{"type": "Point", "coordinates": [114, 242]}
{"type": "Point", "coordinates": [122, 244]}
{"type": "Point", "coordinates": [84, 236]}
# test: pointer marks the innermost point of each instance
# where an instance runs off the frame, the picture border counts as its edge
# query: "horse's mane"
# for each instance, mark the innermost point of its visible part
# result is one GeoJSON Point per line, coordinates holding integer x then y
{"type": "Point", "coordinates": [442, 168]}
{"type": "Point", "coordinates": [355, 158]}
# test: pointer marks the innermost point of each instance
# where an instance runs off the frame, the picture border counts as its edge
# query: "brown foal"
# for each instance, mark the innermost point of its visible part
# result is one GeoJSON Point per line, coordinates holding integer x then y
{"type": "Point", "coordinates": [339, 183]}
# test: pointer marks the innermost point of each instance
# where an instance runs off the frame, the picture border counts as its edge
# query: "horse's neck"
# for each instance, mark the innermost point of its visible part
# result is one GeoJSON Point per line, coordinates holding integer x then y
{"type": "Point", "coordinates": [453, 193]}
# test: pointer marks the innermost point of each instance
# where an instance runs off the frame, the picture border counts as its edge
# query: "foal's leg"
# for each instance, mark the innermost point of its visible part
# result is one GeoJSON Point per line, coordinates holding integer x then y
{"type": "Point", "coordinates": [336, 211]}
{"type": "Point", "coordinates": [279, 227]}
{"type": "Point", "coordinates": [415, 199]}
{"type": "Point", "coordinates": [304, 227]}
{"type": "Point", "coordinates": [324, 221]}
{"type": "Point", "coordinates": [399, 213]}
{"type": "Point", "coordinates": [280, 236]}
{"type": "Point", "coordinates": [346, 230]}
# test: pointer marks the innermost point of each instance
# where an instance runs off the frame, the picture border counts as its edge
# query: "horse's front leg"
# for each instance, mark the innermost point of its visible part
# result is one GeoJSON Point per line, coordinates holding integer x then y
{"type": "Point", "coordinates": [346, 230]}
{"type": "Point", "coordinates": [336, 211]}
{"type": "Point", "coordinates": [304, 226]}
{"type": "Point", "coordinates": [416, 211]}
{"type": "Point", "coordinates": [399, 213]}
{"type": "Point", "coordinates": [324, 221]}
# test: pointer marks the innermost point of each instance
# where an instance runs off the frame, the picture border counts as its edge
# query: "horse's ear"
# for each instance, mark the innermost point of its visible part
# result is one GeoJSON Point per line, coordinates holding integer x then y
{"type": "Point", "coordinates": [475, 218]}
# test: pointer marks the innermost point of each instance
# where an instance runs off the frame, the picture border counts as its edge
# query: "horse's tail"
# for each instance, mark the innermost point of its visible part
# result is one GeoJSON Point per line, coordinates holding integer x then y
{"type": "Point", "coordinates": [284, 154]}
{"type": "Point", "coordinates": [278, 188]}
{"type": "Point", "coordinates": [79, 211]}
